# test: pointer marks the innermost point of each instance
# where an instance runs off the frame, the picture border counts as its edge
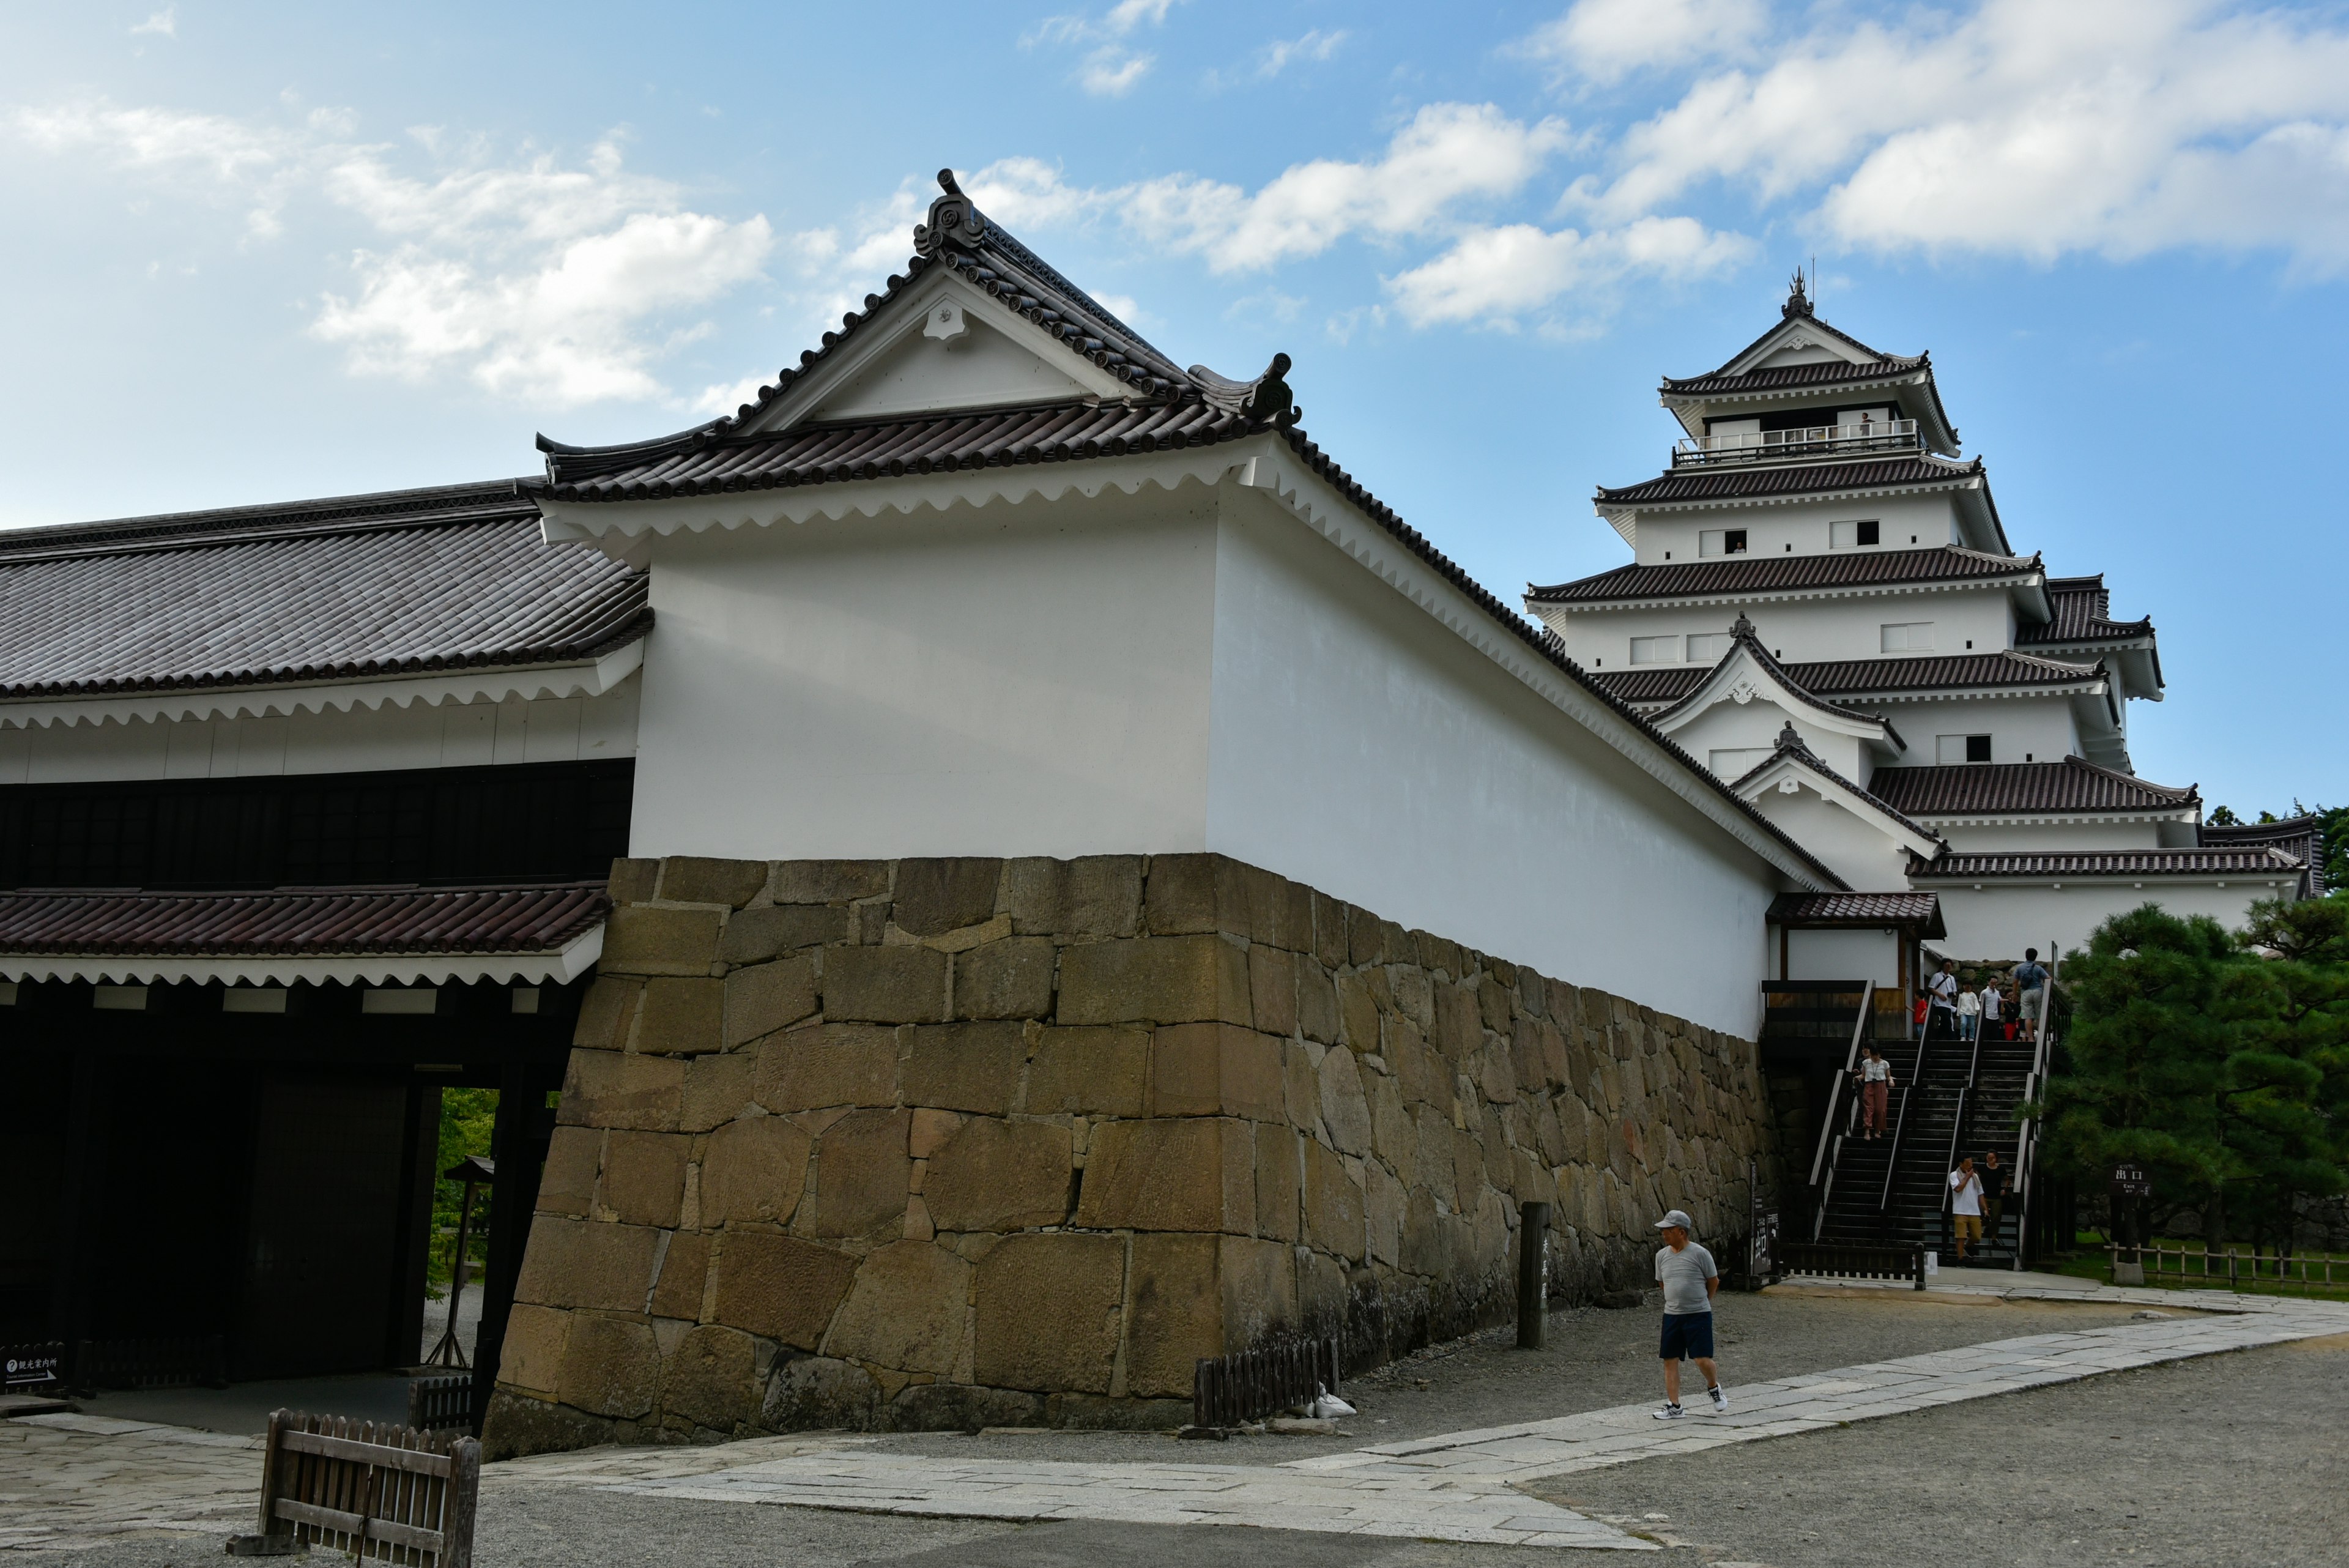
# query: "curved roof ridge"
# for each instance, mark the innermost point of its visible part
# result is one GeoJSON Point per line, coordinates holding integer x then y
{"type": "Point", "coordinates": [1790, 744]}
{"type": "Point", "coordinates": [482, 501]}
{"type": "Point", "coordinates": [1742, 637]}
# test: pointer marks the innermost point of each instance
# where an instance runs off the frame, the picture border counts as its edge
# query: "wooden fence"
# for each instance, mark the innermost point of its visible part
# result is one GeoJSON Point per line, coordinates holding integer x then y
{"type": "Point", "coordinates": [379, 1492]}
{"type": "Point", "coordinates": [1227, 1390]}
{"type": "Point", "coordinates": [2306, 1274]}
{"type": "Point", "coordinates": [439, 1404]}
{"type": "Point", "coordinates": [1854, 1263]}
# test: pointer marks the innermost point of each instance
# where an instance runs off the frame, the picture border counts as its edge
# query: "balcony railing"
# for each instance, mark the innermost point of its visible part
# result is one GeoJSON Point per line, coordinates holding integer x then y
{"type": "Point", "coordinates": [1815, 441]}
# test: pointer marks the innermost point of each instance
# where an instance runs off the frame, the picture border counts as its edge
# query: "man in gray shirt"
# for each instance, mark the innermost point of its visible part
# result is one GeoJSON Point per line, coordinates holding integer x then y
{"type": "Point", "coordinates": [1687, 1273]}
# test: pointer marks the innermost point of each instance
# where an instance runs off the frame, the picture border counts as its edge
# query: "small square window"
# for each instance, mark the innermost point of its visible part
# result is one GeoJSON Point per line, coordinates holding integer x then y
{"type": "Point", "coordinates": [1733, 542]}
{"type": "Point", "coordinates": [1952, 749]}
{"type": "Point", "coordinates": [1655, 651]}
{"type": "Point", "coordinates": [1721, 542]}
{"type": "Point", "coordinates": [1977, 748]}
{"type": "Point", "coordinates": [1908, 637]}
{"type": "Point", "coordinates": [1857, 535]}
{"type": "Point", "coordinates": [1707, 648]}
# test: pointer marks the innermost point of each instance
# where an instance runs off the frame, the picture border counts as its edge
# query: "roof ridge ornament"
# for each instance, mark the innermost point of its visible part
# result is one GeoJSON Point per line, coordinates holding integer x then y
{"type": "Point", "coordinates": [1798, 299]}
{"type": "Point", "coordinates": [1266, 398]}
{"type": "Point", "coordinates": [1741, 626]}
{"type": "Point", "coordinates": [953, 220]}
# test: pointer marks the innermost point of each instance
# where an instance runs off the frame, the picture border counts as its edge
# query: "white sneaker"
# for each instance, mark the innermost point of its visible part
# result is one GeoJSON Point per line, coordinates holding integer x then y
{"type": "Point", "coordinates": [1720, 1401]}
{"type": "Point", "coordinates": [1669, 1413]}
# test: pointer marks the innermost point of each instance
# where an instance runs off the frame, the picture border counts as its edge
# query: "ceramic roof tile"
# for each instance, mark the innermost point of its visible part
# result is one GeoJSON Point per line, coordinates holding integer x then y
{"type": "Point", "coordinates": [2074, 784]}
{"type": "Point", "coordinates": [1766, 573]}
{"type": "Point", "coordinates": [1746, 482]}
{"type": "Point", "coordinates": [1978, 867]}
{"type": "Point", "coordinates": [302, 921]}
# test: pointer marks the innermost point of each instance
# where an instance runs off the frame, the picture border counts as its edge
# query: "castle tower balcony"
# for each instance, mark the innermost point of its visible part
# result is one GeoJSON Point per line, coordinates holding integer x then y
{"type": "Point", "coordinates": [1782, 446]}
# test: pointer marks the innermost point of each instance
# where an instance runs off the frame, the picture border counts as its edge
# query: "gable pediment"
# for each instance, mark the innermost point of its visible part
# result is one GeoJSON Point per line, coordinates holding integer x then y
{"type": "Point", "coordinates": [1742, 677]}
{"type": "Point", "coordinates": [1801, 341]}
{"type": "Point", "coordinates": [938, 348]}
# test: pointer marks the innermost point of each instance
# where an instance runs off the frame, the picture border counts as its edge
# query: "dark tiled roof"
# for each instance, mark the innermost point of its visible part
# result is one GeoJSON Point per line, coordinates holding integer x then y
{"type": "Point", "coordinates": [1858, 677]}
{"type": "Point", "coordinates": [371, 585]}
{"type": "Point", "coordinates": [1767, 573]}
{"type": "Point", "coordinates": [1830, 373]}
{"type": "Point", "coordinates": [1922, 909]}
{"type": "Point", "coordinates": [2080, 612]}
{"type": "Point", "coordinates": [1790, 744]}
{"type": "Point", "coordinates": [1742, 632]}
{"type": "Point", "coordinates": [879, 449]}
{"type": "Point", "coordinates": [1743, 483]}
{"type": "Point", "coordinates": [2074, 784]}
{"type": "Point", "coordinates": [319, 922]}
{"type": "Point", "coordinates": [2302, 837]}
{"type": "Point", "coordinates": [2106, 863]}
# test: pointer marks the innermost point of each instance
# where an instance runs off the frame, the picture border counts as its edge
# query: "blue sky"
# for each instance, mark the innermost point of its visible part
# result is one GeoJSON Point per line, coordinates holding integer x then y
{"type": "Point", "coordinates": [264, 252]}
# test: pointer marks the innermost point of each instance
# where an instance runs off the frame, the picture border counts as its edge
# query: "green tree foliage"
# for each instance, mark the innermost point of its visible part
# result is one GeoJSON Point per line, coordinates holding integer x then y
{"type": "Point", "coordinates": [2220, 1062]}
{"type": "Point", "coordinates": [467, 1117]}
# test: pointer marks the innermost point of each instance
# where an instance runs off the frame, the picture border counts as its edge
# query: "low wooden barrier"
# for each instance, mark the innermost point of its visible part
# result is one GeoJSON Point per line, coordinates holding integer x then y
{"type": "Point", "coordinates": [1854, 1263]}
{"type": "Point", "coordinates": [1227, 1390]}
{"type": "Point", "coordinates": [438, 1404]}
{"type": "Point", "coordinates": [2307, 1274]}
{"type": "Point", "coordinates": [379, 1492]}
{"type": "Point", "coordinates": [198, 1362]}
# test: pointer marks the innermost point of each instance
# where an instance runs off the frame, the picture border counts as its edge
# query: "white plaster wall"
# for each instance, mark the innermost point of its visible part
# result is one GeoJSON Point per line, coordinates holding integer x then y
{"type": "Point", "coordinates": [2055, 837]}
{"type": "Point", "coordinates": [1757, 723]}
{"type": "Point", "coordinates": [1857, 850]}
{"type": "Point", "coordinates": [1361, 747]}
{"type": "Point", "coordinates": [2000, 922]}
{"type": "Point", "coordinates": [2020, 729]}
{"type": "Point", "coordinates": [1800, 631]}
{"type": "Point", "coordinates": [1007, 679]}
{"type": "Point", "coordinates": [1911, 522]}
{"type": "Point", "coordinates": [1872, 956]}
{"type": "Point", "coordinates": [421, 735]}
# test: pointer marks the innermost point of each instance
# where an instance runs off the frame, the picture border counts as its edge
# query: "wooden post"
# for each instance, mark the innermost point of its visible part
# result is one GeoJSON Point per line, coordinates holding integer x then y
{"type": "Point", "coordinates": [1533, 1274]}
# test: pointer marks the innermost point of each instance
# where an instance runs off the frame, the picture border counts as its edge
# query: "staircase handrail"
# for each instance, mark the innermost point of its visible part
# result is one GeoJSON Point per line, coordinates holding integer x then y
{"type": "Point", "coordinates": [2026, 1150]}
{"type": "Point", "coordinates": [1830, 1147]}
{"type": "Point", "coordinates": [1900, 1129]}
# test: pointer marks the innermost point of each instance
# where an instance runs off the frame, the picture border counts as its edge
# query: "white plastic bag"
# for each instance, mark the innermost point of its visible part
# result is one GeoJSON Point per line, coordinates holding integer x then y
{"type": "Point", "coordinates": [1326, 1405]}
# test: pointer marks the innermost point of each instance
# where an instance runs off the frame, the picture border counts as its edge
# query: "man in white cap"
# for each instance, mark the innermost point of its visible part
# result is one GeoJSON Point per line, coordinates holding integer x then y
{"type": "Point", "coordinates": [1687, 1273]}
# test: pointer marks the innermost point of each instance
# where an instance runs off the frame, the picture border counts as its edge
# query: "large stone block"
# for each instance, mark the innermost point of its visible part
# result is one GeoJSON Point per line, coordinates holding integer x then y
{"type": "Point", "coordinates": [1048, 1309]}
{"type": "Point", "coordinates": [1459, 1022]}
{"type": "Point", "coordinates": [763, 998]}
{"type": "Point", "coordinates": [754, 936]}
{"type": "Point", "coordinates": [712, 1378]}
{"type": "Point", "coordinates": [696, 879]}
{"type": "Point", "coordinates": [717, 1089]}
{"type": "Point", "coordinates": [1154, 979]}
{"type": "Point", "coordinates": [816, 1393]}
{"type": "Point", "coordinates": [815, 1068]}
{"type": "Point", "coordinates": [1344, 1112]}
{"type": "Point", "coordinates": [1215, 1069]}
{"type": "Point", "coordinates": [778, 1287]}
{"type": "Point", "coordinates": [684, 1271]}
{"type": "Point", "coordinates": [1174, 1311]}
{"type": "Point", "coordinates": [583, 1263]}
{"type": "Point", "coordinates": [1257, 1282]}
{"type": "Point", "coordinates": [908, 1310]}
{"type": "Point", "coordinates": [532, 1356]}
{"type": "Point", "coordinates": [634, 881]}
{"type": "Point", "coordinates": [607, 1014]}
{"type": "Point", "coordinates": [967, 1066]}
{"type": "Point", "coordinates": [935, 896]}
{"type": "Point", "coordinates": [885, 985]}
{"type": "Point", "coordinates": [611, 1366]}
{"type": "Point", "coordinates": [641, 940]}
{"type": "Point", "coordinates": [1394, 1138]}
{"type": "Point", "coordinates": [1333, 1205]}
{"type": "Point", "coordinates": [1277, 1180]}
{"type": "Point", "coordinates": [1193, 1173]}
{"type": "Point", "coordinates": [862, 1174]}
{"type": "Point", "coordinates": [962, 1408]}
{"type": "Point", "coordinates": [682, 1017]}
{"type": "Point", "coordinates": [1094, 895]}
{"type": "Point", "coordinates": [826, 881]}
{"type": "Point", "coordinates": [612, 1089]}
{"type": "Point", "coordinates": [1317, 1002]}
{"type": "Point", "coordinates": [753, 1169]}
{"type": "Point", "coordinates": [994, 1175]}
{"type": "Point", "coordinates": [643, 1177]}
{"type": "Point", "coordinates": [1272, 990]}
{"type": "Point", "coordinates": [1181, 895]}
{"type": "Point", "coordinates": [1097, 1071]}
{"type": "Point", "coordinates": [1384, 1201]}
{"type": "Point", "coordinates": [1008, 979]}
{"type": "Point", "coordinates": [1358, 1014]}
{"type": "Point", "coordinates": [567, 1184]}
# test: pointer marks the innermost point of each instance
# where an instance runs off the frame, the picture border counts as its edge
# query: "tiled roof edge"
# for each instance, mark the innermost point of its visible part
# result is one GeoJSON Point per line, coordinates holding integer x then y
{"type": "Point", "coordinates": [484, 502]}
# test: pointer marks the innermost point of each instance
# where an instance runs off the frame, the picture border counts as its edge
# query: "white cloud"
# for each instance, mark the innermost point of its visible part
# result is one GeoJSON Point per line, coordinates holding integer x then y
{"type": "Point", "coordinates": [1316, 45]}
{"type": "Point", "coordinates": [2025, 128]}
{"type": "Point", "coordinates": [165, 22]}
{"type": "Point", "coordinates": [1500, 276]}
{"type": "Point", "coordinates": [546, 283]}
{"type": "Point", "coordinates": [1604, 41]}
{"type": "Point", "coordinates": [1111, 64]}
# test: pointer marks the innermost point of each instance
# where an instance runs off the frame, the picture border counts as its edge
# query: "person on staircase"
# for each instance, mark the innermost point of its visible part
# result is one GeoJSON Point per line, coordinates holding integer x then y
{"type": "Point", "coordinates": [1875, 1075]}
{"type": "Point", "coordinates": [2030, 981]}
{"type": "Point", "coordinates": [1992, 1176]}
{"type": "Point", "coordinates": [1942, 991]}
{"type": "Point", "coordinates": [1994, 1007]}
{"type": "Point", "coordinates": [1966, 1204]}
{"type": "Point", "coordinates": [1968, 1012]}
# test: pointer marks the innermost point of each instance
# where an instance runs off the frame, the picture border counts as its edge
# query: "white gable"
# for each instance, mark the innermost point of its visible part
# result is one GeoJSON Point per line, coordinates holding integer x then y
{"type": "Point", "coordinates": [945, 346]}
{"type": "Point", "coordinates": [1801, 341]}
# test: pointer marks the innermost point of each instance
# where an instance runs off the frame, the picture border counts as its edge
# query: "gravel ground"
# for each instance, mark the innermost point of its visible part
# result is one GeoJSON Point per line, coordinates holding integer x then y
{"type": "Point", "coordinates": [2223, 1462]}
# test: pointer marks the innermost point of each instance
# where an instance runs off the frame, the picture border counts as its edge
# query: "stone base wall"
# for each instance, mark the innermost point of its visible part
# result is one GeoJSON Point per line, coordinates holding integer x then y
{"type": "Point", "coordinates": [947, 1143]}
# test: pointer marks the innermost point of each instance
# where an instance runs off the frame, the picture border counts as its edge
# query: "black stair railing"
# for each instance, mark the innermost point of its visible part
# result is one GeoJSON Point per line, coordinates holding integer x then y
{"type": "Point", "coordinates": [1899, 1133]}
{"type": "Point", "coordinates": [2027, 1154]}
{"type": "Point", "coordinates": [1831, 1135]}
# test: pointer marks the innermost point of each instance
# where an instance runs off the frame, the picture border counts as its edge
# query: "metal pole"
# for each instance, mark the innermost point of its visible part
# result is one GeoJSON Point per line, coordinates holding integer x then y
{"type": "Point", "coordinates": [1533, 1274]}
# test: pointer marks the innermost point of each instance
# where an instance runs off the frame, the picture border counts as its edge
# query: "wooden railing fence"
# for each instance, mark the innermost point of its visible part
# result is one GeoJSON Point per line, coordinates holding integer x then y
{"type": "Point", "coordinates": [379, 1492]}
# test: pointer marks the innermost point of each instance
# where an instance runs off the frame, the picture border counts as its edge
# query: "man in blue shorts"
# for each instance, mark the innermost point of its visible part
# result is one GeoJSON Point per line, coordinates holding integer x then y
{"type": "Point", "coordinates": [1686, 1272]}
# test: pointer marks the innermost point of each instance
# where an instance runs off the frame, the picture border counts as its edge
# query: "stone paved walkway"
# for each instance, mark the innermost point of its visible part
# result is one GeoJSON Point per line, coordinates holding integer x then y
{"type": "Point", "coordinates": [68, 1480]}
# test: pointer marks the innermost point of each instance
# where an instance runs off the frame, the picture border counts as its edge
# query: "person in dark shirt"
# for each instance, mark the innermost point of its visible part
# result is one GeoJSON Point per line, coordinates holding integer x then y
{"type": "Point", "coordinates": [1993, 1193]}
